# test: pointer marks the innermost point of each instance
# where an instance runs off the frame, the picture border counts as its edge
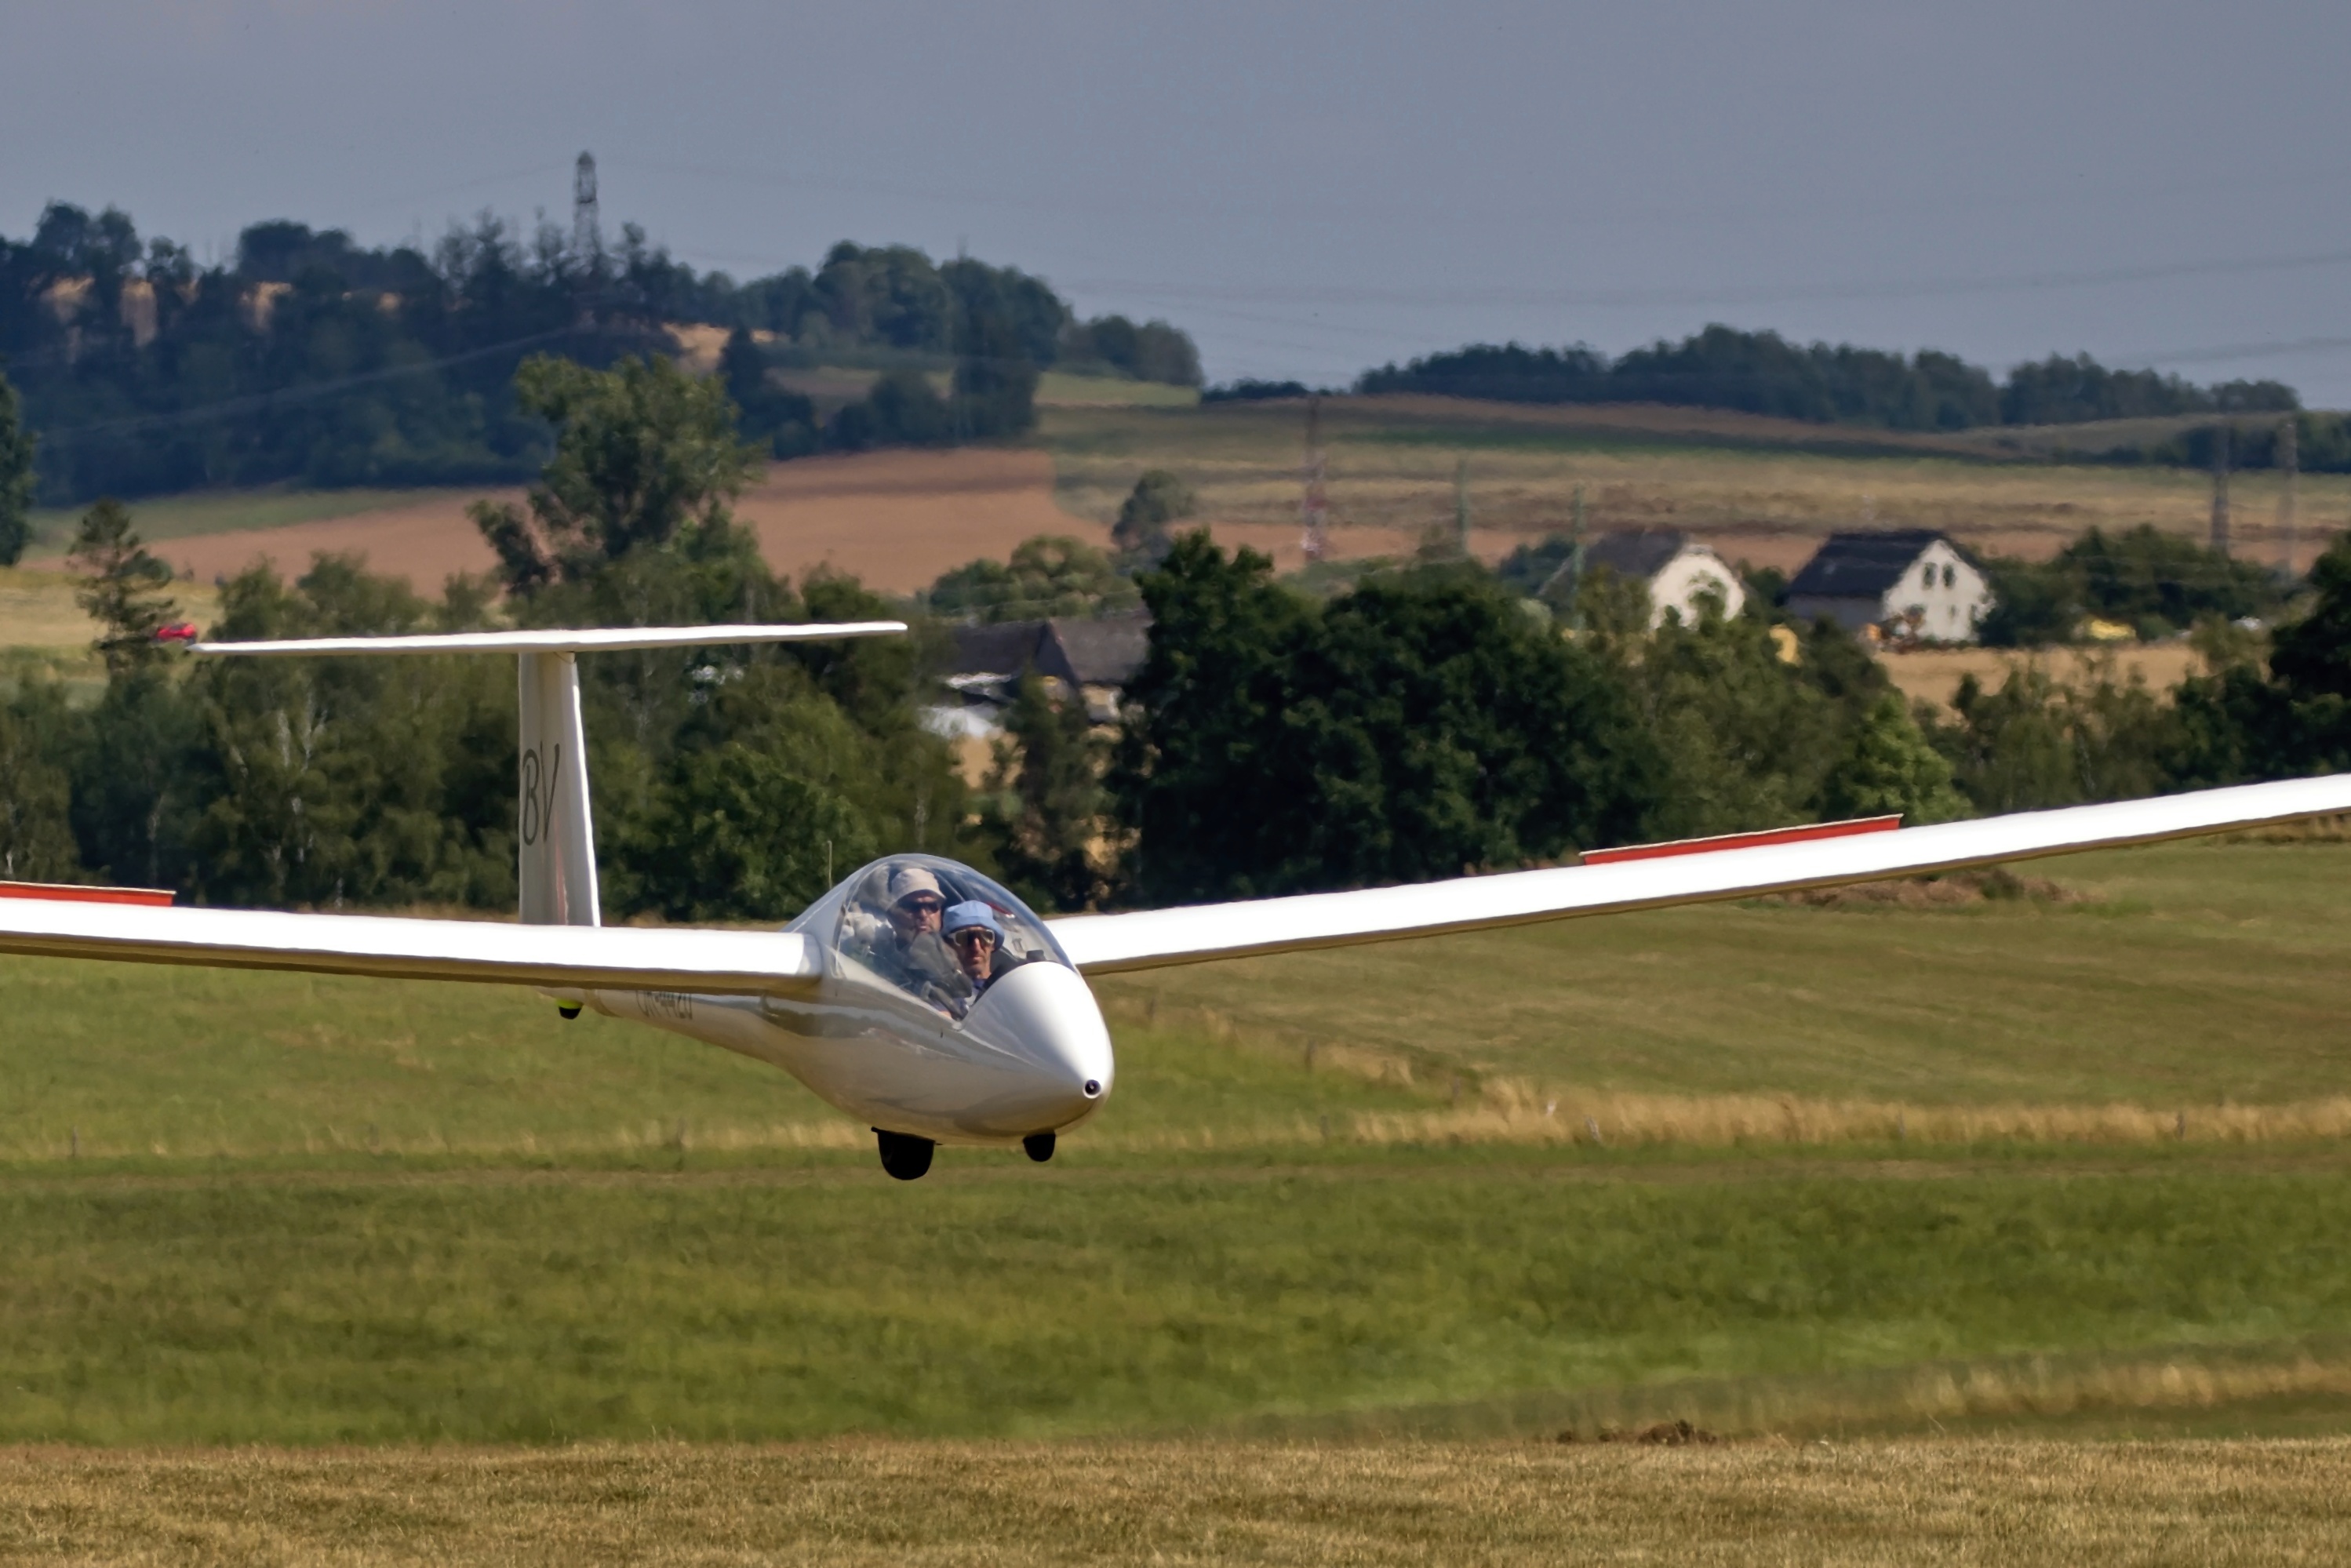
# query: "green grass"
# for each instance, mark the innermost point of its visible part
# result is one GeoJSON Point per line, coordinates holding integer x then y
{"type": "Point", "coordinates": [2187, 974]}
{"type": "Point", "coordinates": [220, 511]}
{"type": "Point", "coordinates": [252, 1208]}
{"type": "Point", "coordinates": [1061, 389]}
{"type": "Point", "coordinates": [993, 1300]}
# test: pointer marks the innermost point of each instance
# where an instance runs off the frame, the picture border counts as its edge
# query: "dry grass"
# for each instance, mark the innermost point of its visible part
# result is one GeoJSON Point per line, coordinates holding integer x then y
{"type": "Point", "coordinates": [37, 609]}
{"type": "Point", "coordinates": [1933, 674]}
{"type": "Point", "coordinates": [855, 1502]}
{"type": "Point", "coordinates": [1763, 489]}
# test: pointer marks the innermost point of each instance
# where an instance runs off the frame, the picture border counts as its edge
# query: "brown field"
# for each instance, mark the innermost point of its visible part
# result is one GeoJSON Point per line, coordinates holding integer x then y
{"type": "Point", "coordinates": [897, 519]}
{"type": "Point", "coordinates": [1984, 1501]}
{"type": "Point", "coordinates": [894, 520]}
{"type": "Point", "coordinates": [425, 541]}
{"type": "Point", "coordinates": [1933, 674]}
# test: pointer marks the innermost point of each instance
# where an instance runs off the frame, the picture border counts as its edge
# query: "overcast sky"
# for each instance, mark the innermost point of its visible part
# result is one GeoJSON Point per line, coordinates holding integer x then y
{"type": "Point", "coordinates": [1309, 189]}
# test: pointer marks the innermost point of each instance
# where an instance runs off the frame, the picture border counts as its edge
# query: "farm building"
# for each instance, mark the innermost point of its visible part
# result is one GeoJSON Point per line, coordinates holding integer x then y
{"type": "Point", "coordinates": [1092, 657]}
{"type": "Point", "coordinates": [1911, 584]}
{"type": "Point", "coordinates": [1677, 571]}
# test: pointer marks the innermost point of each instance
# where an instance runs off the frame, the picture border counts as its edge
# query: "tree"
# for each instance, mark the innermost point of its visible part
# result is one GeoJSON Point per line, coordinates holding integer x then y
{"type": "Point", "coordinates": [1419, 726]}
{"type": "Point", "coordinates": [641, 450]}
{"type": "Point", "coordinates": [751, 826]}
{"type": "Point", "coordinates": [1889, 767]}
{"type": "Point", "coordinates": [123, 588]}
{"type": "Point", "coordinates": [16, 478]}
{"type": "Point", "coordinates": [37, 842]}
{"type": "Point", "coordinates": [1050, 574]}
{"type": "Point", "coordinates": [1159, 497]}
{"type": "Point", "coordinates": [995, 379]}
{"type": "Point", "coordinates": [767, 415]}
{"type": "Point", "coordinates": [1046, 805]}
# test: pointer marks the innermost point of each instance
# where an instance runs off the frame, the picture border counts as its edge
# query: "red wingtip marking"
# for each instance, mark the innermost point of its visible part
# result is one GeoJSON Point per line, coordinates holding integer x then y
{"type": "Point", "coordinates": [66, 893]}
{"type": "Point", "coordinates": [1797, 835]}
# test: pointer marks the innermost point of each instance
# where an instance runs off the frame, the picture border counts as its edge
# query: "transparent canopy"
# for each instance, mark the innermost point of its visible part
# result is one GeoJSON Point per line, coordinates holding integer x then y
{"type": "Point", "coordinates": [883, 926]}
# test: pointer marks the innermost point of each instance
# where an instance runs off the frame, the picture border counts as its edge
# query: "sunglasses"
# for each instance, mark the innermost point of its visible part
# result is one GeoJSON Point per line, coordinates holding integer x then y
{"type": "Point", "coordinates": [922, 906]}
{"type": "Point", "coordinates": [974, 936]}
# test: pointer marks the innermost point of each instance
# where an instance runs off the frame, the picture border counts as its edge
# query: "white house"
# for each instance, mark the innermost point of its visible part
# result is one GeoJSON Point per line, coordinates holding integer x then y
{"type": "Point", "coordinates": [1677, 571]}
{"type": "Point", "coordinates": [1913, 584]}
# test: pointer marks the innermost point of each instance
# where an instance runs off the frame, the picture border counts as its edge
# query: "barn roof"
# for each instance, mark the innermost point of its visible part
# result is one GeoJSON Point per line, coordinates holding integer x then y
{"type": "Point", "coordinates": [1641, 553]}
{"type": "Point", "coordinates": [1864, 565]}
{"type": "Point", "coordinates": [1104, 652]}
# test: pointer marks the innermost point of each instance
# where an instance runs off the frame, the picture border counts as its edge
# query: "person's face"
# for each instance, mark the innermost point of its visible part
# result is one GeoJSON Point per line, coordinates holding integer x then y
{"type": "Point", "coordinates": [916, 914]}
{"type": "Point", "coordinates": [973, 947]}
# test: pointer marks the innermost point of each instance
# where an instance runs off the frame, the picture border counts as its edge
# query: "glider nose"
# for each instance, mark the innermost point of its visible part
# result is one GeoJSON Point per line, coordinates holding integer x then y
{"type": "Point", "coordinates": [1044, 1015]}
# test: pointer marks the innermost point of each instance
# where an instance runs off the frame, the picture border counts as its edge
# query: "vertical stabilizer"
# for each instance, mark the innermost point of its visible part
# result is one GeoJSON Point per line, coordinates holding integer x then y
{"type": "Point", "coordinates": [554, 837]}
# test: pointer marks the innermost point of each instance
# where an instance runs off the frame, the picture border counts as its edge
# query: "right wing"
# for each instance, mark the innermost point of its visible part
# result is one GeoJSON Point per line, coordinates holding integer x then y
{"type": "Point", "coordinates": [586, 957]}
{"type": "Point", "coordinates": [1106, 944]}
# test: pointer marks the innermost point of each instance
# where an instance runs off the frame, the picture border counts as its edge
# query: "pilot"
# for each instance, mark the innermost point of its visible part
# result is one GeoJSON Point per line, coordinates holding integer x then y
{"type": "Point", "coordinates": [972, 931]}
{"type": "Point", "coordinates": [911, 954]}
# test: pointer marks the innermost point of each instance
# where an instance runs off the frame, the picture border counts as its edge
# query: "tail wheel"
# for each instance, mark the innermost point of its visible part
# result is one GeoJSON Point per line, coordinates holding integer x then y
{"type": "Point", "coordinates": [1040, 1147]}
{"type": "Point", "coordinates": [904, 1155]}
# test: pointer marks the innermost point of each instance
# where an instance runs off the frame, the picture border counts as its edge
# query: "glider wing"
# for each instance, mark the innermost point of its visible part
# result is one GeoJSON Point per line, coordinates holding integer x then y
{"type": "Point", "coordinates": [620, 957]}
{"type": "Point", "coordinates": [1106, 944]}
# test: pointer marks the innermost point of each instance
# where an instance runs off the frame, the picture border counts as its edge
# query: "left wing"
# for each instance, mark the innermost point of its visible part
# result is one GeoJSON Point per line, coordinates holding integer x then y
{"type": "Point", "coordinates": [611, 958]}
{"type": "Point", "coordinates": [1107, 944]}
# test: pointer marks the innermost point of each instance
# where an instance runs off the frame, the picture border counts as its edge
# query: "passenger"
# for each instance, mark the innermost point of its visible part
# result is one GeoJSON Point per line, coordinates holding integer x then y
{"type": "Point", "coordinates": [971, 929]}
{"type": "Point", "coordinates": [912, 955]}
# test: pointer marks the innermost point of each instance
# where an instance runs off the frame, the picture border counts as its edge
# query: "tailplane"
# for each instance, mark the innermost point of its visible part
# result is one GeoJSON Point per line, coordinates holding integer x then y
{"type": "Point", "coordinates": [554, 835]}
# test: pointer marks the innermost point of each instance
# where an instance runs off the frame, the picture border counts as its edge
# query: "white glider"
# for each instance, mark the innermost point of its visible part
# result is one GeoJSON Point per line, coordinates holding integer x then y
{"type": "Point", "coordinates": [923, 998]}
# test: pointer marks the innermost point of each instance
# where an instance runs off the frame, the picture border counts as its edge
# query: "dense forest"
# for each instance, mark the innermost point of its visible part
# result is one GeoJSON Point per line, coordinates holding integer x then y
{"type": "Point", "coordinates": [1763, 372]}
{"type": "Point", "coordinates": [308, 357]}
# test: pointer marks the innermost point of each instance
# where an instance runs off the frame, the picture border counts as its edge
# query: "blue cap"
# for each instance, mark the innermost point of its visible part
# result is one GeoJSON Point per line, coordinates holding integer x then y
{"type": "Point", "coordinates": [968, 915]}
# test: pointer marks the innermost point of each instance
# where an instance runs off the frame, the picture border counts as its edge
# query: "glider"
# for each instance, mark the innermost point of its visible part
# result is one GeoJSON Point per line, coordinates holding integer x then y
{"type": "Point", "coordinates": [919, 995]}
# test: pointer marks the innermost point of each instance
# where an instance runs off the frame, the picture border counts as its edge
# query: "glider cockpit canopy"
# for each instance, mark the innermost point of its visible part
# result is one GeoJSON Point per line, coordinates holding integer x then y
{"type": "Point", "coordinates": [864, 930]}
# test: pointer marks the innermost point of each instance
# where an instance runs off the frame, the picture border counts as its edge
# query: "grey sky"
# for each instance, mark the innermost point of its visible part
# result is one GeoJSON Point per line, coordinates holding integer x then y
{"type": "Point", "coordinates": [1310, 189]}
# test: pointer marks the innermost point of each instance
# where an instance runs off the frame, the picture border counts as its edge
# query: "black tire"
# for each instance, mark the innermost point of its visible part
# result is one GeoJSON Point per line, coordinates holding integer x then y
{"type": "Point", "coordinates": [904, 1155]}
{"type": "Point", "coordinates": [1040, 1147]}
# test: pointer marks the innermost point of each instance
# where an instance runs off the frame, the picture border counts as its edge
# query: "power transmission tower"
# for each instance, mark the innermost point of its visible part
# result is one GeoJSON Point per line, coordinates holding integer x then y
{"type": "Point", "coordinates": [2289, 460]}
{"type": "Point", "coordinates": [2220, 487]}
{"type": "Point", "coordinates": [586, 243]}
{"type": "Point", "coordinates": [1314, 511]}
{"type": "Point", "coordinates": [1461, 502]}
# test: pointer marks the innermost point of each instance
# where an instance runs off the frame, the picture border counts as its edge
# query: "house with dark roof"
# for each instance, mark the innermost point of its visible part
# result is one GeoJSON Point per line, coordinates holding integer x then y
{"type": "Point", "coordinates": [1907, 584]}
{"type": "Point", "coordinates": [1676, 569]}
{"type": "Point", "coordinates": [1093, 657]}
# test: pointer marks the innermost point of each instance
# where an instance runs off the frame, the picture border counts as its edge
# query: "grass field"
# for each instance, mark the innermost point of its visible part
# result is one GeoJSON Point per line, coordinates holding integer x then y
{"type": "Point", "coordinates": [1844, 1172]}
{"type": "Point", "coordinates": [2017, 1504]}
{"type": "Point", "coordinates": [164, 517]}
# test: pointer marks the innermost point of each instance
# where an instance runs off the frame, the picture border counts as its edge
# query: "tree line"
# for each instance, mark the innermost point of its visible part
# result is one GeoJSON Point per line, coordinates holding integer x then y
{"type": "Point", "coordinates": [1421, 723]}
{"type": "Point", "coordinates": [309, 357]}
{"type": "Point", "coordinates": [1763, 372]}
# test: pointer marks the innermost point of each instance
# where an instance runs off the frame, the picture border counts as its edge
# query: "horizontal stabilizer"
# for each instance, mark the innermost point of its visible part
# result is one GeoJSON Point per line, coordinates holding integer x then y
{"type": "Point", "coordinates": [587, 640]}
{"type": "Point", "coordinates": [1105, 943]}
{"type": "Point", "coordinates": [620, 957]}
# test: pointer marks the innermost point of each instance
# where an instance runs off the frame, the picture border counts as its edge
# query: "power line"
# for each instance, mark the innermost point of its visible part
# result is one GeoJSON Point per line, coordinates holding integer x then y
{"type": "Point", "coordinates": [306, 392]}
{"type": "Point", "coordinates": [1861, 289]}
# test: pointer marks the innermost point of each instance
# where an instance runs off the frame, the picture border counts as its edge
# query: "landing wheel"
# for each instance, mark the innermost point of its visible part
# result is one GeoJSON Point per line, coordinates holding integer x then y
{"type": "Point", "coordinates": [567, 1011]}
{"type": "Point", "coordinates": [904, 1155]}
{"type": "Point", "coordinates": [1040, 1147]}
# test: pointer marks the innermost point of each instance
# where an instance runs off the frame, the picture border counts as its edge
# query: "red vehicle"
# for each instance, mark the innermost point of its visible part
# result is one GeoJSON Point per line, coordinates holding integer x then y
{"type": "Point", "coordinates": [178, 631]}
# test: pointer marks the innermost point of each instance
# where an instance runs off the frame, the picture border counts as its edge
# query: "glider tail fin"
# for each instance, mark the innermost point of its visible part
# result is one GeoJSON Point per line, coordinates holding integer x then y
{"type": "Point", "coordinates": [555, 835]}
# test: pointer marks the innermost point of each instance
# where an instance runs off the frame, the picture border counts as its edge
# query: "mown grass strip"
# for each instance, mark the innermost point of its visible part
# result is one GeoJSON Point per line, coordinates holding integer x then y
{"type": "Point", "coordinates": [2022, 1504]}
